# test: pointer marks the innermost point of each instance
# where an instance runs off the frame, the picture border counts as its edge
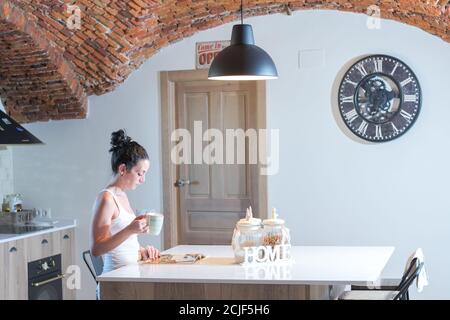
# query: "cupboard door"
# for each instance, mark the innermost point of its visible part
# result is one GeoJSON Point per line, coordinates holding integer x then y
{"type": "Point", "coordinates": [3, 272]}
{"type": "Point", "coordinates": [44, 245]}
{"type": "Point", "coordinates": [16, 274]}
{"type": "Point", "coordinates": [67, 239]}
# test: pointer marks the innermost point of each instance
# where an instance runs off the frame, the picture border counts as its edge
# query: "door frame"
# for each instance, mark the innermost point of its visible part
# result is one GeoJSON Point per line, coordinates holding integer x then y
{"type": "Point", "coordinates": [168, 80]}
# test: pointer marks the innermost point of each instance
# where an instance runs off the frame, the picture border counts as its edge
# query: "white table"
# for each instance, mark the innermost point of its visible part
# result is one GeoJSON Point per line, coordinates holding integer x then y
{"type": "Point", "coordinates": [317, 272]}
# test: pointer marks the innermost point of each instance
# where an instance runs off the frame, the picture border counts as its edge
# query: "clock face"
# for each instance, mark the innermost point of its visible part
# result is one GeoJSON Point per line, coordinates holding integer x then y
{"type": "Point", "coordinates": [379, 98]}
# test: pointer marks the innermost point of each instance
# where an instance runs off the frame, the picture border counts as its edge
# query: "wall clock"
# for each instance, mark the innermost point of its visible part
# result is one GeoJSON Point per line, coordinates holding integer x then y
{"type": "Point", "coordinates": [379, 98]}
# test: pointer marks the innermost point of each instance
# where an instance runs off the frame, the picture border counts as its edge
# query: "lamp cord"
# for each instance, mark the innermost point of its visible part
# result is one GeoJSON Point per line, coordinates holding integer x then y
{"type": "Point", "coordinates": [242, 19]}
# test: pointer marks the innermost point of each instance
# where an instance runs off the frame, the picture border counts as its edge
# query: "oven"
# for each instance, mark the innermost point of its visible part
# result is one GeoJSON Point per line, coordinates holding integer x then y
{"type": "Point", "coordinates": [45, 279]}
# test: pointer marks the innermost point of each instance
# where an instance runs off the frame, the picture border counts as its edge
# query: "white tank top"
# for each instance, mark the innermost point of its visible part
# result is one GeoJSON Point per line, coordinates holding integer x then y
{"type": "Point", "coordinates": [128, 251]}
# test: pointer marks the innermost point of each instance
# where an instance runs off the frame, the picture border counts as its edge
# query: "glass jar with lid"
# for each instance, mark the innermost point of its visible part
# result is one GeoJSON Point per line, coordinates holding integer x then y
{"type": "Point", "coordinates": [247, 233]}
{"type": "Point", "coordinates": [275, 233]}
{"type": "Point", "coordinates": [6, 203]}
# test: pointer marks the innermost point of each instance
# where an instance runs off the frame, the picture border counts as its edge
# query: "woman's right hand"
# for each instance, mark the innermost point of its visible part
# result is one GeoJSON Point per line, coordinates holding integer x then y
{"type": "Point", "coordinates": [138, 225]}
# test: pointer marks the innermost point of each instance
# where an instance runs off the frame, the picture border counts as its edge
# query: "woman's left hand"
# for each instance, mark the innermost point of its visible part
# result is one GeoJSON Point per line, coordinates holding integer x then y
{"type": "Point", "coordinates": [149, 252]}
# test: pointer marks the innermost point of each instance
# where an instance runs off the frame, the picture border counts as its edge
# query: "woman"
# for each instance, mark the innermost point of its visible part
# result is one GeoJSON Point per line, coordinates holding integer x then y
{"type": "Point", "coordinates": [115, 227]}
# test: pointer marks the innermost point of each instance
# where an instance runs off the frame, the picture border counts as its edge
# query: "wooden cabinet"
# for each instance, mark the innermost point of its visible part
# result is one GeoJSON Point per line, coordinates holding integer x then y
{"type": "Point", "coordinates": [2, 272]}
{"type": "Point", "coordinates": [15, 256]}
{"type": "Point", "coordinates": [67, 240]}
{"type": "Point", "coordinates": [43, 245]}
{"type": "Point", "coordinates": [14, 279]}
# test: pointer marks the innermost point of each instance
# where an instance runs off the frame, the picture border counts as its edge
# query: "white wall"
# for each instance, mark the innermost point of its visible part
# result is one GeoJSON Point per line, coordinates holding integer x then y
{"type": "Point", "coordinates": [6, 169]}
{"type": "Point", "coordinates": [331, 189]}
{"type": "Point", "coordinates": [6, 173]}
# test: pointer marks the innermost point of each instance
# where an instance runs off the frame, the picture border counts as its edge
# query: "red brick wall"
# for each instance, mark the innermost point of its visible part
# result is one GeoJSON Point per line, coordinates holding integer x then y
{"type": "Point", "coordinates": [36, 81]}
{"type": "Point", "coordinates": [54, 64]}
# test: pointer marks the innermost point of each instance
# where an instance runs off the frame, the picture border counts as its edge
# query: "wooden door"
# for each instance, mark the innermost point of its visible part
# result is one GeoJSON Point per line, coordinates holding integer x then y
{"type": "Point", "coordinates": [15, 275]}
{"type": "Point", "coordinates": [67, 239]}
{"type": "Point", "coordinates": [212, 197]}
{"type": "Point", "coordinates": [3, 272]}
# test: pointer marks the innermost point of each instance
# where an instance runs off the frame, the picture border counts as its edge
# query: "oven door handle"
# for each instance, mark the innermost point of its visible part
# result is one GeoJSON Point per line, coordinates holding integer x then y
{"type": "Point", "coordinates": [37, 284]}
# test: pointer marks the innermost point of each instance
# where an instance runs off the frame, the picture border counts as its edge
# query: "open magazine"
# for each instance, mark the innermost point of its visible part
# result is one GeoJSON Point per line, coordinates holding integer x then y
{"type": "Point", "coordinates": [177, 258]}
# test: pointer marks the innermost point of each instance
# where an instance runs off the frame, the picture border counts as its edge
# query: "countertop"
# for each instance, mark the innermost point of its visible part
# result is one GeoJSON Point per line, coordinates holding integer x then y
{"type": "Point", "coordinates": [311, 265]}
{"type": "Point", "coordinates": [60, 224]}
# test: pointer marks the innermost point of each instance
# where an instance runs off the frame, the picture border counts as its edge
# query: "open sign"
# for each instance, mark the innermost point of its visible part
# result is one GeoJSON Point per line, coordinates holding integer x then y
{"type": "Point", "coordinates": [206, 52]}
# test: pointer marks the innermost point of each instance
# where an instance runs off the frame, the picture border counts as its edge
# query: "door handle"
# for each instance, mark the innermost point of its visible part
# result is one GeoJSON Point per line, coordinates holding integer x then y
{"type": "Point", "coordinates": [182, 183]}
{"type": "Point", "coordinates": [37, 284]}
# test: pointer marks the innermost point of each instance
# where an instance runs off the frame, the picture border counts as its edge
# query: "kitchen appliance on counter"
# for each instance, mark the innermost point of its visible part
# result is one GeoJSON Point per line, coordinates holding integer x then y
{"type": "Point", "coordinates": [19, 229]}
{"type": "Point", "coordinates": [21, 222]}
{"type": "Point", "coordinates": [45, 279]}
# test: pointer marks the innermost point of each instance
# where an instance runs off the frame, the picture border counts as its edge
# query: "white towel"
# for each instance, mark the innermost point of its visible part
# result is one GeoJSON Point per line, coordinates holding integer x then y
{"type": "Point", "coordinates": [422, 279]}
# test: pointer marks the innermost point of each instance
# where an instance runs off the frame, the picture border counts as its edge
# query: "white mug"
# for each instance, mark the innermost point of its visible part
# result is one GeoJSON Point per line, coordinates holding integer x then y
{"type": "Point", "coordinates": [154, 222]}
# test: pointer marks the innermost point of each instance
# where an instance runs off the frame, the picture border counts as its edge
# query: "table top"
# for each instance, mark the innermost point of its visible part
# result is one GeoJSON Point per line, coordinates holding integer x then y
{"type": "Point", "coordinates": [310, 265]}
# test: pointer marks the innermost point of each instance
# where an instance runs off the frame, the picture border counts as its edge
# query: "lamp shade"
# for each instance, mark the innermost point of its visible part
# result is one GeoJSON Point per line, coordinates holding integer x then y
{"type": "Point", "coordinates": [242, 59]}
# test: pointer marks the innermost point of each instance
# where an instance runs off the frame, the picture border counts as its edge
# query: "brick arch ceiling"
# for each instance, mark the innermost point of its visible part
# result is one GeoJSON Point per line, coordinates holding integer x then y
{"type": "Point", "coordinates": [48, 65]}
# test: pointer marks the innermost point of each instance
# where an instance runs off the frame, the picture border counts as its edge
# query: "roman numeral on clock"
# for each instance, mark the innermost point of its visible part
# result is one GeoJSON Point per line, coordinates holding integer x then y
{"type": "Point", "coordinates": [347, 99]}
{"type": "Point", "coordinates": [378, 65]}
{"type": "Point", "coordinates": [351, 82]}
{"type": "Point", "coordinates": [362, 70]}
{"type": "Point", "coordinates": [378, 132]}
{"type": "Point", "coordinates": [394, 127]}
{"type": "Point", "coordinates": [351, 115]}
{"type": "Point", "coordinates": [409, 98]}
{"type": "Point", "coordinates": [408, 117]}
{"type": "Point", "coordinates": [406, 81]}
{"type": "Point", "coordinates": [395, 68]}
{"type": "Point", "coordinates": [363, 127]}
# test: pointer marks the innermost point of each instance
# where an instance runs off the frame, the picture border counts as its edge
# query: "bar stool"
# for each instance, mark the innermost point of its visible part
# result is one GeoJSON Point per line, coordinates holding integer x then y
{"type": "Point", "coordinates": [400, 292]}
{"type": "Point", "coordinates": [95, 266]}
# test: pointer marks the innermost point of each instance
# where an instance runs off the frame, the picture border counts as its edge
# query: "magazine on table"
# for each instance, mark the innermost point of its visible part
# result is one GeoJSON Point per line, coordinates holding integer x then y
{"type": "Point", "coordinates": [187, 258]}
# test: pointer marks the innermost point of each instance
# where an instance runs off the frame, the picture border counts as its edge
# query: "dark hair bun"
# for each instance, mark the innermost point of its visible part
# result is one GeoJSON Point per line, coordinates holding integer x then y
{"type": "Point", "coordinates": [119, 139]}
{"type": "Point", "coordinates": [126, 151]}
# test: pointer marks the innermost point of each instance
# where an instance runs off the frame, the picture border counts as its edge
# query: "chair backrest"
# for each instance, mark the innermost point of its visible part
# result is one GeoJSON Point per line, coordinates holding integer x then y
{"type": "Point", "coordinates": [94, 264]}
{"type": "Point", "coordinates": [408, 277]}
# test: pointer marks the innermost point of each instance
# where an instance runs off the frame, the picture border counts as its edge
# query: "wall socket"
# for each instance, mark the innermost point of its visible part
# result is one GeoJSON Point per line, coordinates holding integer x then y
{"type": "Point", "coordinates": [311, 58]}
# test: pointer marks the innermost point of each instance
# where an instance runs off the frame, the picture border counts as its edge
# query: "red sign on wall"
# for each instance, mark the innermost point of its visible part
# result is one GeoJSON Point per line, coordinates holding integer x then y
{"type": "Point", "coordinates": [206, 51]}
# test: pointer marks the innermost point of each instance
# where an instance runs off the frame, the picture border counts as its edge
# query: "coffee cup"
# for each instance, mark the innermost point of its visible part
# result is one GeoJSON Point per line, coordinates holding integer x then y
{"type": "Point", "coordinates": [154, 222]}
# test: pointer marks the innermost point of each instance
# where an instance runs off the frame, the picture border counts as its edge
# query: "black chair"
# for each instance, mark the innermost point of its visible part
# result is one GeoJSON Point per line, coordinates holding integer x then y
{"type": "Point", "coordinates": [382, 284]}
{"type": "Point", "coordinates": [95, 266]}
{"type": "Point", "coordinates": [400, 292]}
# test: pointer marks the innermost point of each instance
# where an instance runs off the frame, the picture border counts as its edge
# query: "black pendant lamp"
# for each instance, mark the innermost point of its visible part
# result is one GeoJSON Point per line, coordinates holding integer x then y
{"type": "Point", "coordinates": [242, 59]}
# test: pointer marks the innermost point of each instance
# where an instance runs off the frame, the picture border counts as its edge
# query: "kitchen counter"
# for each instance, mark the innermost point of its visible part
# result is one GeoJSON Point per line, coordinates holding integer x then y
{"type": "Point", "coordinates": [313, 269]}
{"type": "Point", "coordinates": [20, 252]}
{"type": "Point", "coordinates": [61, 224]}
